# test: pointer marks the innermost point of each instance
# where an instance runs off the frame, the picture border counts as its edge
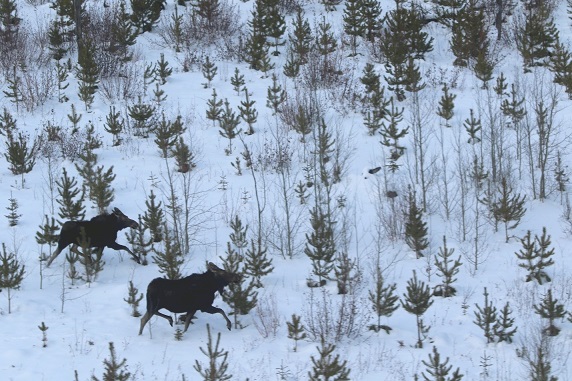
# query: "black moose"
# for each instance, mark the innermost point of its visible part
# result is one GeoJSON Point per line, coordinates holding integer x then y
{"type": "Point", "coordinates": [99, 232]}
{"type": "Point", "coordinates": [193, 293]}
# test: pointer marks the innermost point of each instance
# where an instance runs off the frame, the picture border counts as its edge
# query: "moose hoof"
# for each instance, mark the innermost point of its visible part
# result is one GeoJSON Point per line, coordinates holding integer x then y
{"type": "Point", "coordinates": [229, 326]}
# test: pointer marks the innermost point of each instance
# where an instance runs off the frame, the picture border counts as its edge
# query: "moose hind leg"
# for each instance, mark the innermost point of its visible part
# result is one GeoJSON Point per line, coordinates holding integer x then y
{"type": "Point", "coordinates": [144, 321]}
{"type": "Point", "coordinates": [188, 319]}
{"type": "Point", "coordinates": [53, 256]}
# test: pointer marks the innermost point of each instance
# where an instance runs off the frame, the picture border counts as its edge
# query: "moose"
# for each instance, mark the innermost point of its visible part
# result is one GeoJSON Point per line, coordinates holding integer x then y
{"type": "Point", "coordinates": [189, 294]}
{"type": "Point", "coordinates": [99, 232]}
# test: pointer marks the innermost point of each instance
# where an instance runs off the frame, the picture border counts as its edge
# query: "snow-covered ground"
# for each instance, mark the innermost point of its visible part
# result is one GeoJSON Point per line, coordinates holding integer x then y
{"type": "Point", "coordinates": [82, 319]}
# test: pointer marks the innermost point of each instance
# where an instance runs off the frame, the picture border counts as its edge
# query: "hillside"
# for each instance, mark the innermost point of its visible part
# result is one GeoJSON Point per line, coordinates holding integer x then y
{"type": "Point", "coordinates": [412, 154]}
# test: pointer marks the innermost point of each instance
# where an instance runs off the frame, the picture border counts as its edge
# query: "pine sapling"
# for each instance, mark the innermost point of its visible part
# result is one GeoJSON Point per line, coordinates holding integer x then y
{"type": "Point", "coordinates": [551, 310]}
{"type": "Point", "coordinates": [217, 368]}
{"type": "Point", "coordinates": [438, 370]}
{"type": "Point", "coordinates": [169, 260]}
{"type": "Point", "coordinates": [447, 268]}
{"type": "Point", "coordinates": [11, 273]}
{"type": "Point", "coordinates": [415, 228]}
{"type": "Point", "coordinates": [504, 330]}
{"type": "Point", "coordinates": [43, 328]}
{"type": "Point", "coordinates": [257, 264]}
{"type": "Point", "coordinates": [237, 81]}
{"type": "Point", "coordinates": [47, 235]}
{"type": "Point", "coordinates": [296, 330]}
{"type": "Point", "coordinates": [417, 301]}
{"type": "Point", "coordinates": [486, 318]}
{"type": "Point", "coordinates": [327, 366]}
{"type": "Point", "coordinates": [345, 272]}
{"type": "Point", "coordinates": [154, 216]}
{"type": "Point", "coordinates": [384, 301]}
{"type": "Point", "coordinates": [536, 256]}
{"type": "Point", "coordinates": [133, 300]}
{"type": "Point", "coordinates": [114, 370]}
{"type": "Point", "coordinates": [12, 216]}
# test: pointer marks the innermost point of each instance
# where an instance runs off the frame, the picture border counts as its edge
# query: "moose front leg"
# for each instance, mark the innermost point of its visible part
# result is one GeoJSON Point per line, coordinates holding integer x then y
{"type": "Point", "coordinates": [117, 246]}
{"type": "Point", "coordinates": [216, 310]}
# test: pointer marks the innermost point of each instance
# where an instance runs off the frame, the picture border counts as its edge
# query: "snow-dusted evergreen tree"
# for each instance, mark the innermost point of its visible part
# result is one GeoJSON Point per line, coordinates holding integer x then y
{"type": "Point", "coordinates": [540, 368]}
{"type": "Point", "coordinates": [320, 244]}
{"type": "Point", "coordinates": [296, 330]}
{"type": "Point", "coordinates": [447, 269]}
{"type": "Point", "coordinates": [209, 70]}
{"type": "Point", "coordinates": [536, 39]}
{"type": "Point", "coordinates": [145, 14]}
{"type": "Point", "coordinates": [140, 240]}
{"type": "Point", "coordinates": [415, 227]}
{"type": "Point", "coordinates": [383, 300]}
{"type": "Point", "coordinates": [550, 309]}
{"type": "Point", "coordinates": [70, 199]}
{"type": "Point", "coordinates": [169, 259]}
{"type": "Point", "coordinates": [417, 301]}
{"type": "Point", "coordinates": [391, 132]}
{"type": "Point", "coordinates": [242, 297]}
{"type": "Point", "coordinates": [47, 235]}
{"type": "Point", "coordinates": [255, 51]}
{"type": "Point", "coordinates": [248, 113]}
{"type": "Point", "coordinates": [354, 25]}
{"type": "Point", "coordinates": [257, 264]}
{"type": "Point", "coordinates": [327, 367]}
{"type": "Point", "coordinates": [486, 318]}
{"type": "Point", "coordinates": [214, 108]}
{"type": "Point", "coordinates": [13, 216]}
{"type": "Point", "coordinates": [133, 299]}
{"type": "Point", "coordinates": [300, 38]}
{"type": "Point", "coordinates": [87, 72]}
{"type": "Point", "coordinates": [469, 34]}
{"type": "Point", "coordinates": [124, 33]}
{"type": "Point", "coordinates": [437, 370]}
{"type": "Point", "coordinates": [228, 125]}
{"type": "Point", "coordinates": [11, 273]}
{"type": "Point", "coordinates": [20, 154]}
{"type": "Point", "coordinates": [154, 217]}
{"type": "Point", "coordinates": [446, 105]}
{"type": "Point", "coordinates": [115, 370]}
{"type": "Point", "coordinates": [508, 208]}
{"type": "Point", "coordinates": [114, 125]}
{"type": "Point", "coordinates": [217, 368]}
{"type": "Point", "coordinates": [536, 256]}
{"type": "Point", "coordinates": [504, 329]}
{"type": "Point", "coordinates": [167, 133]}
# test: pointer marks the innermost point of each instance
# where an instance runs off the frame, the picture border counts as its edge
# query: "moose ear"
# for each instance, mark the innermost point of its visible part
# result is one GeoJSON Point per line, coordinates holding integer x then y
{"type": "Point", "coordinates": [117, 212]}
{"type": "Point", "coordinates": [212, 267]}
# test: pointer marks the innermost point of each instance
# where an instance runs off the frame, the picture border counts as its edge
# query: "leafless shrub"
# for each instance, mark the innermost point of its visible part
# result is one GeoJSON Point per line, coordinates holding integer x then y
{"type": "Point", "coordinates": [299, 100]}
{"type": "Point", "coordinates": [289, 6]}
{"type": "Point", "coordinates": [266, 318]}
{"type": "Point", "coordinates": [15, 52]}
{"type": "Point", "coordinates": [275, 155]}
{"type": "Point", "coordinates": [37, 87]}
{"type": "Point", "coordinates": [72, 144]}
{"type": "Point", "coordinates": [334, 318]}
{"type": "Point", "coordinates": [125, 85]}
{"type": "Point", "coordinates": [188, 31]}
{"type": "Point", "coordinates": [99, 26]}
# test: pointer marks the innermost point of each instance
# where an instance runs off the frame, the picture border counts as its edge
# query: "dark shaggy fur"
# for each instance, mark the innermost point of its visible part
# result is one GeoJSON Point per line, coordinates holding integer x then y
{"type": "Point", "coordinates": [100, 231]}
{"type": "Point", "coordinates": [188, 295]}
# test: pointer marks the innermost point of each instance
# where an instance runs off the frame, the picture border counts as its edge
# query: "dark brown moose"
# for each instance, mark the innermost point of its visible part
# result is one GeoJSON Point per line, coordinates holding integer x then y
{"type": "Point", "coordinates": [193, 293]}
{"type": "Point", "coordinates": [99, 232]}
